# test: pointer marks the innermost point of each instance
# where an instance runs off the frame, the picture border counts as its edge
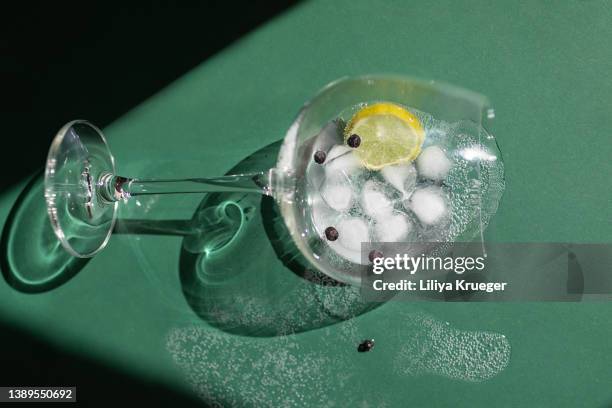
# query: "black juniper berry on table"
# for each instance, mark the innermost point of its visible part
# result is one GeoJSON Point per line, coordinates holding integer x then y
{"type": "Point", "coordinates": [366, 346]}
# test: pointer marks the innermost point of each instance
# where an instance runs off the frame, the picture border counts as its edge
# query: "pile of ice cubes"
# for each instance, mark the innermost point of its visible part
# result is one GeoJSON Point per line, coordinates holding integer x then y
{"type": "Point", "coordinates": [389, 205]}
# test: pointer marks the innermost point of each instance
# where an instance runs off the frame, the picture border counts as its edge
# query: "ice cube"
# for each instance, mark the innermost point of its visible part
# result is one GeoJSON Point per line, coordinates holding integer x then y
{"type": "Point", "coordinates": [429, 204]}
{"type": "Point", "coordinates": [433, 164]}
{"type": "Point", "coordinates": [392, 228]}
{"type": "Point", "coordinates": [374, 200]}
{"type": "Point", "coordinates": [322, 215]}
{"type": "Point", "coordinates": [342, 161]}
{"type": "Point", "coordinates": [337, 194]}
{"type": "Point", "coordinates": [352, 231]}
{"type": "Point", "coordinates": [402, 176]}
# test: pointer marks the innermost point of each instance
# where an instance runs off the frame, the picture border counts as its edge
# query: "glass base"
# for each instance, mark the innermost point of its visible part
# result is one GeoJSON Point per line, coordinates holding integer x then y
{"type": "Point", "coordinates": [81, 219]}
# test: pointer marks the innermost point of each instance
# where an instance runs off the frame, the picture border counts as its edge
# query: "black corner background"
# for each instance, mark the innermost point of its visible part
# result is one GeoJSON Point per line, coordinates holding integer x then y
{"type": "Point", "coordinates": [96, 60]}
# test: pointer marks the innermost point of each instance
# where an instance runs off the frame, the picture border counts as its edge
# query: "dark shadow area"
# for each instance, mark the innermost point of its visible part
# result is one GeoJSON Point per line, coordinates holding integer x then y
{"type": "Point", "coordinates": [97, 60]}
{"type": "Point", "coordinates": [30, 362]}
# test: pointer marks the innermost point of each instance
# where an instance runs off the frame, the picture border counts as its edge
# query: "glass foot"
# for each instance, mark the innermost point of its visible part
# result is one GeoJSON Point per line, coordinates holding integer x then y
{"type": "Point", "coordinates": [78, 158]}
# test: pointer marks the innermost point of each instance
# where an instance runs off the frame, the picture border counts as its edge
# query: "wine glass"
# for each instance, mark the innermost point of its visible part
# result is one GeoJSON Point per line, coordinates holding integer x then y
{"type": "Point", "coordinates": [83, 191]}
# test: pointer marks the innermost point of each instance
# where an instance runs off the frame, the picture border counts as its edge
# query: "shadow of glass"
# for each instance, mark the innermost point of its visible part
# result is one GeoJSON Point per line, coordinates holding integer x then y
{"type": "Point", "coordinates": [244, 286]}
{"type": "Point", "coordinates": [31, 257]}
{"type": "Point", "coordinates": [239, 268]}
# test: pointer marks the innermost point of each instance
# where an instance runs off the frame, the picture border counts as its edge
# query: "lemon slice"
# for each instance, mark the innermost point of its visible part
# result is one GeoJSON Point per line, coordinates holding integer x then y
{"type": "Point", "coordinates": [389, 134]}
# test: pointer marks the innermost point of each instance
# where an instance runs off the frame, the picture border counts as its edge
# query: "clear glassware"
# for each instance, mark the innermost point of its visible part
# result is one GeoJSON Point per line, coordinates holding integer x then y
{"type": "Point", "coordinates": [83, 191]}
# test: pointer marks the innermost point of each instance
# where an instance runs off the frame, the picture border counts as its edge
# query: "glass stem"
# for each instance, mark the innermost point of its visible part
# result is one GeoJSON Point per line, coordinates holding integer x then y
{"type": "Point", "coordinates": [114, 188]}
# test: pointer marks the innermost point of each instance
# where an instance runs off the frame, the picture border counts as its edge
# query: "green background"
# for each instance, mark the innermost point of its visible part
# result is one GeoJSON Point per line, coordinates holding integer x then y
{"type": "Point", "coordinates": [545, 66]}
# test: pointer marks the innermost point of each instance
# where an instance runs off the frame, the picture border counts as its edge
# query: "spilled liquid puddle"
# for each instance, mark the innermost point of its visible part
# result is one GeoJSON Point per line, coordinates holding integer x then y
{"type": "Point", "coordinates": [227, 370]}
{"type": "Point", "coordinates": [437, 348]}
{"type": "Point", "coordinates": [313, 368]}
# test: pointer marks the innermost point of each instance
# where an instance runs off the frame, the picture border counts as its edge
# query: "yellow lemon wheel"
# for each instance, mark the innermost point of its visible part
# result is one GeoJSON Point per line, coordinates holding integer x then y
{"type": "Point", "coordinates": [389, 134]}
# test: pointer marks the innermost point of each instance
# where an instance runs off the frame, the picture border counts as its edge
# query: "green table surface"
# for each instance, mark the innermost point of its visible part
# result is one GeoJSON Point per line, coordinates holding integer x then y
{"type": "Point", "coordinates": [546, 67]}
